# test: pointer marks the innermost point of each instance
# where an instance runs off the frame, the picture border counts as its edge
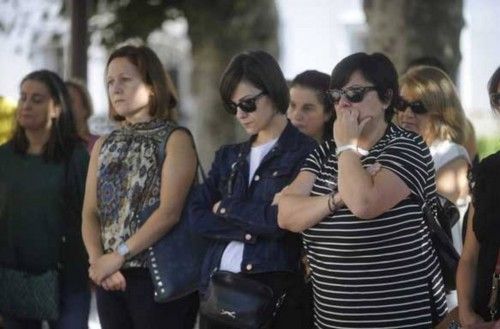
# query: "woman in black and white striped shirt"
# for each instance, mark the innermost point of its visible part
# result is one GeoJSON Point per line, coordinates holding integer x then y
{"type": "Point", "coordinates": [358, 202]}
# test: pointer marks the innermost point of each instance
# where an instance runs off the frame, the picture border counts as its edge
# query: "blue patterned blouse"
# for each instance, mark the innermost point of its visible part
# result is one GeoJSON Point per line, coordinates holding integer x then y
{"type": "Point", "coordinates": [128, 181]}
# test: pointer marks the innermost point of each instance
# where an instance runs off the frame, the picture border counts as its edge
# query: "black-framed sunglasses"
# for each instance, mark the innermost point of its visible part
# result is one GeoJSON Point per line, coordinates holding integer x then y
{"type": "Point", "coordinates": [247, 105]}
{"type": "Point", "coordinates": [416, 107]}
{"type": "Point", "coordinates": [495, 100]}
{"type": "Point", "coordinates": [353, 95]}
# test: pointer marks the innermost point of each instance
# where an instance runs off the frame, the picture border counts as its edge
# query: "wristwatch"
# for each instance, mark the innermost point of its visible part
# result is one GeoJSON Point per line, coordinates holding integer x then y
{"type": "Point", "coordinates": [123, 250]}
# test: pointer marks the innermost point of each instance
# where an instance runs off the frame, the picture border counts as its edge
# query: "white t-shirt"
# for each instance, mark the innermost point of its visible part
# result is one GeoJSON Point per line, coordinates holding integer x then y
{"type": "Point", "coordinates": [233, 254]}
{"type": "Point", "coordinates": [444, 152]}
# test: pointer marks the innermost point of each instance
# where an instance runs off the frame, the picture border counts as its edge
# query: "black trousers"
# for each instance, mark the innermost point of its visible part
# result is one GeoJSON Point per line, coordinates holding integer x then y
{"type": "Point", "coordinates": [135, 307]}
{"type": "Point", "coordinates": [291, 313]}
{"type": "Point", "coordinates": [13, 323]}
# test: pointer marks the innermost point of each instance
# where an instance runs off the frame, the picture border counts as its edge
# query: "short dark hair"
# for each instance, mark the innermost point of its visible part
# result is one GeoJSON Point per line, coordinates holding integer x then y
{"type": "Point", "coordinates": [63, 136]}
{"type": "Point", "coordinates": [261, 70]}
{"type": "Point", "coordinates": [377, 69]}
{"type": "Point", "coordinates": [493, 87]}
{"type": "Point", "coordinates": [164, 98]}
{"type": "Point", "coordinates": [320, 83]}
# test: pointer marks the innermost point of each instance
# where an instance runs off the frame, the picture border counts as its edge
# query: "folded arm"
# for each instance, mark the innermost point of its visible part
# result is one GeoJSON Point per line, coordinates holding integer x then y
{"type": "Point", "coordinates": [366, 195]}
{"type": "Point", "coordinates": [298, 210]}
{"type": "Point", "coordinates": [202, 218]}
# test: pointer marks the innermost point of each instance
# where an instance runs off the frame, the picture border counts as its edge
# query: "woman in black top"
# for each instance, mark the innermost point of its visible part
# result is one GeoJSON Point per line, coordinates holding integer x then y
{"type": "Point", "coordinates": [482, 241]}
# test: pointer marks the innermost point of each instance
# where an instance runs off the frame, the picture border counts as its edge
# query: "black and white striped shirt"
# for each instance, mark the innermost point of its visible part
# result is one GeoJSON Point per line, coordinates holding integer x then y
{"type": "Point", "coordinates": [381, 272]}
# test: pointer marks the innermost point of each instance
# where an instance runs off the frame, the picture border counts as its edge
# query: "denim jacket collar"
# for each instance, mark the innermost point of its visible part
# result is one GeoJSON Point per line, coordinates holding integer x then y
{"type": "Point", "coordinates": [287, 141]}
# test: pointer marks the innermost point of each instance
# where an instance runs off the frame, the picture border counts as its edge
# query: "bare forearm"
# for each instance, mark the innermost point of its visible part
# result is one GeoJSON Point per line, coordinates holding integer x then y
{"type": "Point", "coordinates": [91, 233]}
{"type": "Point", "coordinates": [355, 183]}
{"type": "Point", "coordinates": [466, 274]}
{"type": "Point", "coordinates": [466, 278]}
{"type": "Point", "coordinates": [297, 213]}
{"type": "Point", "coordinates": [157, 225]}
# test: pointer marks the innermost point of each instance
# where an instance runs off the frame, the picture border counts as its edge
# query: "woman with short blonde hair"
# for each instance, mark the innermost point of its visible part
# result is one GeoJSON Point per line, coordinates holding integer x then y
{"type": "Point", "coordinates": [438, 95]}
{"type": "Point", "coordinates": [430, 106]}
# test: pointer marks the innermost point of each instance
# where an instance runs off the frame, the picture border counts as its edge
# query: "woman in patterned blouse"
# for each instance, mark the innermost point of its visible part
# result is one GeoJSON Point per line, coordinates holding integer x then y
{"type": "Point", "coordinates": [132, 196]}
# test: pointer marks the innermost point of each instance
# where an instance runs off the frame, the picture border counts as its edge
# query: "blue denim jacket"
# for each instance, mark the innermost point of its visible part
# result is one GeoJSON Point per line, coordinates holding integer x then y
{"type": "Point", "coordinates": [245, 213]}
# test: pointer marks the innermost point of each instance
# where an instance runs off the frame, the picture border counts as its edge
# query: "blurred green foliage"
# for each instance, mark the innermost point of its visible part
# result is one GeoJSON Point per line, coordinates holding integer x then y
{"type": "Point", "coordinates": [488, 145]}
{"type": "Point", "coordinates": [228, 24]}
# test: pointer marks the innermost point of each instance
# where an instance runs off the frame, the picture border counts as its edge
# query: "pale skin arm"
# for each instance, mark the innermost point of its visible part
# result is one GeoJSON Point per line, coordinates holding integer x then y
{"type": "Point", "coordinates": [297, 210]}
{"type": "Point", "coordinates": [367, 196]}
{"type": "Point", "coordinates": [178, 173]}
{"type": "Point", "coordinates": [466, 276]}
{"type": "Point", "coordinates": [91, 229]}
{"type": "Point", "coordinates": [451, 180]}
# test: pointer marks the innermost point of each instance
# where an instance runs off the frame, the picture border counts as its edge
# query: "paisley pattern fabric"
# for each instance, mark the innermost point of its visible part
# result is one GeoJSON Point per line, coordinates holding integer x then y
{"type": "Point", "coordinates": [128, 181]}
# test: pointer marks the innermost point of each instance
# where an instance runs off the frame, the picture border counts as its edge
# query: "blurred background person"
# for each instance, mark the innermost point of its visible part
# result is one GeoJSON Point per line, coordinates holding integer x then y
{"type": "Point", "coordinates": [470, 141]}
{"type": "Point", "coordinates": [479, 268]}
{"type": "Point", "coordinates": [311, 109]}
{"type": "Point", "coordinates": [235, 208]}
{"type": "Point", "coordinates": [359, 208]}
{"type": "Point", "coordinates": [42, 173]}
{"type": "Point", "coordinates": [82, 110]}
{"type": "Point", "coordinates": [430, 107]}
{"type": "Point", "coordinates": [132, 199]}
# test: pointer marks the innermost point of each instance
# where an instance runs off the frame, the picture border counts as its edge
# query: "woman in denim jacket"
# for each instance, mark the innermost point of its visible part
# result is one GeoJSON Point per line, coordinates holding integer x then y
{"type": "Point", "coordinates": [236, 206]}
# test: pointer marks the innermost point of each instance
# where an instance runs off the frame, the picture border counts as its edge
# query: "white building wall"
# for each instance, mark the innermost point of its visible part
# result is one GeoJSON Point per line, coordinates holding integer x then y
{"type": "Point", "coordinates": [480, 58]}
{"type": "Point", "coordinates": [316, 34]}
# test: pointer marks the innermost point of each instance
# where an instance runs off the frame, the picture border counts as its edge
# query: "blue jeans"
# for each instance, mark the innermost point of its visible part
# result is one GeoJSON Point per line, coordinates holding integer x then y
{"type": "Point", "coordinates": [74, 312]}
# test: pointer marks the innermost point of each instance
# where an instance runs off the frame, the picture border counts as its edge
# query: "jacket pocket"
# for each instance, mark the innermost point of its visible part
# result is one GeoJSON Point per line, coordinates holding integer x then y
{"type": "Point", "coordinates": [273, 180]}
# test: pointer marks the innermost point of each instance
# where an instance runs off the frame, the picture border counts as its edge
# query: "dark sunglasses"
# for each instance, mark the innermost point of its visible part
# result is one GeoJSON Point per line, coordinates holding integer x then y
{"type": "Point", "coordinates": [246, 105]}
{"type": "Point", "coordinates": [353, 95]}
{"type": "Point", "coordinates": [495, 100]}
{"type": "Point", "coordinates": [416, 107]}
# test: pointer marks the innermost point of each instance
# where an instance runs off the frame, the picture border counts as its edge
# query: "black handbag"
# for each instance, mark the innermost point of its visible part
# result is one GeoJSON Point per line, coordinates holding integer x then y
{"type": "Point", "coordinates": [238, 302]}
{"type": "Point", "coordinates": [439, 224]}
{"type": "Point", "coordinates": [28, 295]}
{"type": "Point", "coordinates": [174, 261]}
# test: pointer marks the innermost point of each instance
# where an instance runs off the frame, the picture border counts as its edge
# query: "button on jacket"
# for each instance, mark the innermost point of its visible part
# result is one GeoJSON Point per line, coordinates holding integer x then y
{"type": "Point", "coordinates": [245, 213]}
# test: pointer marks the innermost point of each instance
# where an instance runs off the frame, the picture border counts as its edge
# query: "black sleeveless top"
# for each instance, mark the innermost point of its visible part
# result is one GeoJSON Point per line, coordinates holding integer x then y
{"type": "Point", "coordinates": [486, 227]}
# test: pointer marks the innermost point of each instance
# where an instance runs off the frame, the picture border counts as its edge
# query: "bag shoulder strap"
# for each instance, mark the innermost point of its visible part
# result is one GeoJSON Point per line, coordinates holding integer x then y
{"type": "Point", "coordinates": [162, 154]}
